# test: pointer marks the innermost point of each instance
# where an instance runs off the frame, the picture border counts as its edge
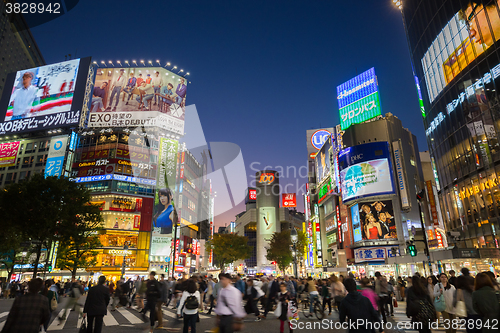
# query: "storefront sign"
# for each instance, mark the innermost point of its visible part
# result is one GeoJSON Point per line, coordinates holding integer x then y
{"type": "Point", "coordinates": [120, 252]}
{"type": "Point", "coordinates": [8, 153]}
{"type": "Point", "coordinates": [55, 158]}
{"type": "Point", "coordinates": [471, 190]}
{"type": "Point", "coordinates": [465, 253]}
{"type": "Point", "coordinates": [289, 199]}
{"type": "Point", "coordinates": [489, 253]}
{"type": "Point", "coordinates": [266, 178]}
{"type": "Point", "coordinates": [373, 253]}
{"type": "Point", "coordinates": [432, 203]}
{"type": "Point", "coordinates": [325, 190]}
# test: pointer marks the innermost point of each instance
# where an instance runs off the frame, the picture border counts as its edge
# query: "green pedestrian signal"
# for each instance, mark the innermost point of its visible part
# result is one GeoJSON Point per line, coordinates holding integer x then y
{"type": "Point", "coordinates": [412, 250]}
{"type": "Point", "coordinates": [49, 268]}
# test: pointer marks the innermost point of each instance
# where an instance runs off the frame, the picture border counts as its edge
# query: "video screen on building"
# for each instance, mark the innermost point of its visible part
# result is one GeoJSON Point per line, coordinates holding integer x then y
{"type": "Point", "coordinates": [376, 220]}
{"type": "Point", "coordinates": [464, 38]}
{"type": "Point", "coordinates": [136, 96]}
{"type": "Point", "coordinates": [365, 170]}
{"type": "Point", "coordinates": [44, 97]}
{"type": "Point", "coordinates": [322, 161]}
{"type": "Point", "coordinates": [358, 99]}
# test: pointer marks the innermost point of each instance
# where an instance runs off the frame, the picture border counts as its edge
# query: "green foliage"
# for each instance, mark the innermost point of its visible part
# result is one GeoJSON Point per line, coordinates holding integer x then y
{"type": "Point", "coordinates": [44, 210]}
{"type": "Point", "coordinates": [228, 248]}
{"type": "Point", "coordinates": [280, 245]}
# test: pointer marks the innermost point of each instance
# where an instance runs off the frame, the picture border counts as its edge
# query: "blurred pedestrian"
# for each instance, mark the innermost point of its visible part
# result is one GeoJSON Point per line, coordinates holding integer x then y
{"type": "Point", "coordinates": [153, 293]}
{"type": "Point", "coordinates": [228, 309]}
{"type": "Point", "coordinates": [96, 306]}
{"type": "Point", "coordinates": [419, 305]}
{"type": "Point", "coordinates": [357, 309]}
{"type": "Point", "coordinates": [28, 311]}
{"type": "Point", "coordinates": [485, 302]}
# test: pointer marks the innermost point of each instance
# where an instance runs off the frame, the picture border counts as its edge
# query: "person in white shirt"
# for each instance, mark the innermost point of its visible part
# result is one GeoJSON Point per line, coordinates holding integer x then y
{"type": "Point", "coordinates": [147, 95]}
{"type": "Point", "coordinates": [116, 89]}
{"type": "Point", "coordinates": [190, 301]}
{"type": "Point", "coordinates": [156, 82]}
{"type": "Point", "coordinates": [229, 306]}
{"type": "Point", "coordinates": [23, 98]}
{"type": "Point", "coordinates": [448, 290]}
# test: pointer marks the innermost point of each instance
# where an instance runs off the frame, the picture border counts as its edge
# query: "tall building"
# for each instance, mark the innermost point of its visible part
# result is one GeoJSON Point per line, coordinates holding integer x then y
{"type": "Point", "coordinates": [455, 57]}
{"type": "Point", "coordinates": [18, 49]}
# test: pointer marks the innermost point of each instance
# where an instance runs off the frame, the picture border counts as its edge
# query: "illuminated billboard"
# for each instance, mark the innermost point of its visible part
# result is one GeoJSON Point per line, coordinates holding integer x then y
{"type": "Point", "coordinates": [322, 161]}
{"type": "Point", "coordinates": [365, 170]}
{"type": "Point", "coordinates": [316, 138]}
{"type": "Point", "coordinates": [145, 96]}
{"type": "Point", "coordinates": [44, 97]}
{"type": "Point", "coordinates": [465, 37]}
{"type": "Point", "coordinates": [358, 99]}
{"type": "Point", "coordinates": [289, 199]}
{"type": "Point", "coordinates": [376, 220]}
{"type": "Point", "coordinates": [8, 153]}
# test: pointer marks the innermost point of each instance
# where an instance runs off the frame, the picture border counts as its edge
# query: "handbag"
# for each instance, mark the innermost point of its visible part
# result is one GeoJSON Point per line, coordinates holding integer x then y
{"type": "Point", "coordinates": [53, 303]}
{"type": "Point", "coordinates": [460, 308]}
{"type": "Point", "coordinates": [439, 303]}
{"type": "Point", "coordinates": [277, 311]}
{"type": "Point", "coordinates": [83, 328]}
{"type": "Point", "coordinates": [237, 322]}
{"type": "Point", "coordinates": [395, 301]}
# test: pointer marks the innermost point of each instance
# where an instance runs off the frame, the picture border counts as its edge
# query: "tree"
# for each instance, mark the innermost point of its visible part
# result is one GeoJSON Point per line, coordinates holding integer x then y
{"type": "Point", "coordinates": [45, 210]}
{"type": "Point", "coordinates": [228, 248]}
{"type": "Point", "coordinates": [280, 245]}
{"type": "Point", "coordinates": [78, 252]}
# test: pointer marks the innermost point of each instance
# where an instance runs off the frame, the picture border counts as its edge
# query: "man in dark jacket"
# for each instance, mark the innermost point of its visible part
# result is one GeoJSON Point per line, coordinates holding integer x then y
{"type": "Point", "coordinates": [29, 311]}
{"type": "Point", "coordinates": [153, 294]}
{"type": "Point", "coordinates": [96, 306]}
{"type": "Point", "coordinates": [358, 309]}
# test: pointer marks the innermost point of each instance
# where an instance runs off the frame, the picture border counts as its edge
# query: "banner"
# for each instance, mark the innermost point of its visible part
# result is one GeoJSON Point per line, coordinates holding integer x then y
{"type": "Point", "coordinates": [289, 199]}
{"type": "Point", "coordinates": [432, 203]}
{"type": "Point", "coordinates": [8, 153]}
{"type": "Point", "coordinates": [400, 174]}
{"type": "Point", "coordinates": [55, 158]}
{"type": "Point", "coordinates": [373, 253]}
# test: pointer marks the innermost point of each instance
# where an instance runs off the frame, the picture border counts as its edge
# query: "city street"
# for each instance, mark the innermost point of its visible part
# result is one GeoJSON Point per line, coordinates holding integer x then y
{"type": "Point", "coordinates": [130, 320]}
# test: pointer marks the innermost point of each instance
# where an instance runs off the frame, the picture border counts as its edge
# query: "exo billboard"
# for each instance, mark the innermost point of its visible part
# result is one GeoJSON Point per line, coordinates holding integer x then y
{"type": "Point", "coordinates": [358, 99]}
{"type": "Point", "coordinates": [365, 170]}
{"type": "Point", "coordinates": [129, 97]}
{"type": "Point", "coordinates": [45, 97]}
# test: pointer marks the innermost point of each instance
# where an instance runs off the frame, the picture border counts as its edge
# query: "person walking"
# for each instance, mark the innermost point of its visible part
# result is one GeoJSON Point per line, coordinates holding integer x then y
{"type": "Point", "coordinates": [96, 305]}
{"type": "Point", "coordinates": [382, 293]}
{"type": "Point", "coordinates": [485, 302]}
{"type": "Point", "coordinates": [162, 300]}
{"type": "Point", "coordinates": [50, 291]}
{"type": "Point", "coordinates": [326, 294]}
{"type": "Point", "coordinates": [272, 291]}
{"type": "Point", "coordinates": [28, 311]}
{"type": "Point", "coordinates": [228, 309]}
{"type": "Point", "coordinates": [313, 294]}
{"type": "Point", "coordinates": [369, 293]}
{"type": "Point", "coordinates": [252, 297]}
{"type": "Point", "coordinates": [153, 292]}
{"type": "Point", "coordinates": [357, 308]}
{"type": "Point", "coordinates": [448, 290]}
{"type": "Point", "coordinates": [419, 305]}
{"type": "Point", "coordinates": [210, 292]}
{"type": "Point", "coordinates": [283, 299]}
{"type": "Point", "coordinates": [188, 306]}
{"type": "Point", "coordinates": [465, 288]}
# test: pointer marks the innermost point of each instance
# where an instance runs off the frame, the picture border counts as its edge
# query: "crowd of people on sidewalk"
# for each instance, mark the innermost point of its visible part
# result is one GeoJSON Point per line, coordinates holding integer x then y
{"type": "Point", "coordinates": [365, 300]}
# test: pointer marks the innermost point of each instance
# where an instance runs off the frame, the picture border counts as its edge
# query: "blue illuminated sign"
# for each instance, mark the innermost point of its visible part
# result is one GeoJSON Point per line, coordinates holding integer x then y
{"type": "Point", "coordinates": [356, 224]}
{"type": "Point", "coordinates": [357, 88]}
{"type": "Point", "coordinates": [122, 178]}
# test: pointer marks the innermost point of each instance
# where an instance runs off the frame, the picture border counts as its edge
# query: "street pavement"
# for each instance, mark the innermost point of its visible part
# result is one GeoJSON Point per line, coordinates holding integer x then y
{"type": "Point", "coordinates": [130, 320]}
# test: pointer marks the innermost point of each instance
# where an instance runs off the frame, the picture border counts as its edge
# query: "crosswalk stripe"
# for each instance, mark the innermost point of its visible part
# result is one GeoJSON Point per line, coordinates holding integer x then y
{"type": "Point", "coordinates": [54, 325]}
{"type": "Point", "coordinates": [3, 314]}
{"type": "Point", "coordinates": [2, 324]}
{"type": "Point", "coordinates": [169, 314]}
{"type": "Point", "coordinates": [109, 320]}
{"type": "Point", "coordinates": [130, 316]}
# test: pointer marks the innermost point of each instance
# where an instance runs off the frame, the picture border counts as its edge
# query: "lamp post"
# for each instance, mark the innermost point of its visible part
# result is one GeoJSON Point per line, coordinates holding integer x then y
{"type": "Point", "coordinates": [295, 238]}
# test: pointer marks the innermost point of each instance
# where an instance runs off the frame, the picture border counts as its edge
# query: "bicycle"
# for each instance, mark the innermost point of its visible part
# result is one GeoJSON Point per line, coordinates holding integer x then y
{"type": "Point", "coordinates": [318, 310]}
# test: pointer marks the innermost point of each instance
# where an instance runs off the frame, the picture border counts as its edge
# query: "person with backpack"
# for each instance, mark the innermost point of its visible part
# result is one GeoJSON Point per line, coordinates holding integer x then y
{"type": "Point", "coordinates": [188, 306]}
{"type": "Point", "coordinates": [419, 306]}
{"type": "Point", "coordinates": [153, 293]}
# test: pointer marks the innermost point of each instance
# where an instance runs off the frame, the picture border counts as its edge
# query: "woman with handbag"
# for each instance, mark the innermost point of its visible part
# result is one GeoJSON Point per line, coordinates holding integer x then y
{"type": "Point", "coordinates": [464, 307]}
{"type": "Point", "coordinates": [419, 306]}
{"type": "Point", "coordinates": [444, 293]}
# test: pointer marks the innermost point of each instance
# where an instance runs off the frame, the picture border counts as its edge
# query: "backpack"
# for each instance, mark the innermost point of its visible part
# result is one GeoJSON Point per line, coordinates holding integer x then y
{"type": "Point", "coordinates": [191, 302]}
{"type": "Point", "coordinates": [152, 289]}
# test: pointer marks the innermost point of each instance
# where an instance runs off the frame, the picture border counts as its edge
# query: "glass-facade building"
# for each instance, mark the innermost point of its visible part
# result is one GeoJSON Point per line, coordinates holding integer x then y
{"type": "Point", "coordinates": [454, 47]}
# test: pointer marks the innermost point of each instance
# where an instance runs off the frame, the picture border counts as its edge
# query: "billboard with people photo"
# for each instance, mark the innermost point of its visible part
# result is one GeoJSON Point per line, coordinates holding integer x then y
{"type": "Point", "coordinates": [377, 220]}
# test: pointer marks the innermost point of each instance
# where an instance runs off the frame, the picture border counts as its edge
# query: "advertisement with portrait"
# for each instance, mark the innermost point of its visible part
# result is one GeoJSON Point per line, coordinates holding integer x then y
{"type": "Point", "coordinates": [164, 213]}
{"type": "Point", "coordinates": [44, 97]}
{"type": "Point", "coordinates": [464, 38]}
{"type": "Point", "coordinates": [365, 170]}
{"type": "Point", "coordinates": [133, 96]}
{"type": "Point", "coordinates": [376, 220]}
{"type": "Point", "coordinates": [322, 161]}
{"type": "Point", "coordinates": [267, 223]}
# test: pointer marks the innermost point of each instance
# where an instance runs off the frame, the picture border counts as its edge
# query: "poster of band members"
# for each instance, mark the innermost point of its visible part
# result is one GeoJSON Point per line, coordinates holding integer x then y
{"type": "Point", "coordinates": [44, 97]}
{"type": "Point", "coordinates": [138, 96]}
{"type": "Point", "coordinates": [377, 220]}
{"type": "Point", "coordinates": [164, 213]}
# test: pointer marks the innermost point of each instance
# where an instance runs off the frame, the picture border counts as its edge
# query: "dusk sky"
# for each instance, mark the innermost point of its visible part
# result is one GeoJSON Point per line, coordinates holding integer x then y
{"type": "Point", "coordinates": [261, 72]}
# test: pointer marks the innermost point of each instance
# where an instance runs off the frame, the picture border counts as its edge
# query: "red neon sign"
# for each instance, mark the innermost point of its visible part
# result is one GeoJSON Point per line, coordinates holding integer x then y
{"type": "Point", "coordinates": [289, 199]}
{"type": "Point", "coordinates": [266, 178]}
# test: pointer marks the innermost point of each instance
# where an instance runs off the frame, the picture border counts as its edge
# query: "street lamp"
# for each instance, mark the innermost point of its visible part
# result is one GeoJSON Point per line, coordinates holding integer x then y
{"type": "Point", "coordinates": [295, 238]}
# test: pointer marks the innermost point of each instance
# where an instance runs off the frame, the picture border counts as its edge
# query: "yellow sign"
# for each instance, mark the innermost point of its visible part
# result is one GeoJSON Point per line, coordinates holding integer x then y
{"type": "Point", "coordinates": [471, 190]}
{"type": "Point", "coordinates": [120, 252]}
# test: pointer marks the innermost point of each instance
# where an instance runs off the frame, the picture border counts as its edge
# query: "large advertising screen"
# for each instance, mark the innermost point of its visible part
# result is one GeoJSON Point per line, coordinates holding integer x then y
{"type": "Point", "coordinates": [365, 170]}
{"type": "Point", "coordinates": [465, 37]}
{"type": "Point", "coordinates": [165, 213]}
{"type": "Point", "coordinates": [322, 161]}
{"type": "Point", "coordinates": [44, 97]}
{"type": "Point", "coordinates": [376, 219]}
{"type": "Point", "coordinates": [133, 96]}
{"type": "Point", "coordinates": [358, 99]}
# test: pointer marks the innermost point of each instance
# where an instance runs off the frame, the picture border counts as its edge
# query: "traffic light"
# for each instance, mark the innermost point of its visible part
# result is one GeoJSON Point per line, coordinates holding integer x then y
{"type": "Point", "coordinates": [49, 268]}
{"type": "Point", "coordinates": [421, 195]}
{"type": "Point", "coordinates": [412, 249]}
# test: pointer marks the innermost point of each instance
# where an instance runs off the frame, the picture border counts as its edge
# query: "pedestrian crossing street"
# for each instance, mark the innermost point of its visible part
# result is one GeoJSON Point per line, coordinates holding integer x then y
{"type": "Point", "coordinates": [405, 322]}
{"type": "Point", "coordinates": [120, 317]}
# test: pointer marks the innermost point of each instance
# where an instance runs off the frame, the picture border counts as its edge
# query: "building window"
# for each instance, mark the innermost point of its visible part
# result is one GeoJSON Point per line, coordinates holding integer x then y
{"type": "Point", "coordinates": [41, 160]}
{"type": "Point", "coordinates": [27, 162]}
{"type": "Point", "coordinates": [412, 160]}
{"type": "Point", "coordinates": [29, 148]}
{"type": "Point", "coordinates": [10, 178]}
{"type": "Point", "coordinates": [14, 167]}
{"type": "Point", "coordinates": [24, 175]}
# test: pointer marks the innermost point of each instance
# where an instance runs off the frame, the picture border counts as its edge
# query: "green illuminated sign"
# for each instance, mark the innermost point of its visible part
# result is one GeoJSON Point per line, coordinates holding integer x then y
{"type": "Point", "coordinates": [360, 111]}
{"type": "Point", "coordinates": [324, 190]}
